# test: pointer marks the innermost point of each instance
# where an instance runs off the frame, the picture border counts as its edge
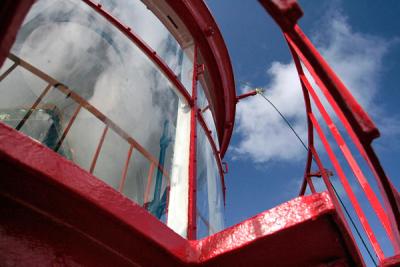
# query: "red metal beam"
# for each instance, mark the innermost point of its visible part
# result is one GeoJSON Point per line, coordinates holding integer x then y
{"type": "Point", "coordinates": [192, 207]}
{"type": "Point", "coordinates": [98, 149]}
{"type": "Point", "coordinates": [359, 126]}
{"type": "Point", "coordinates": [357, 123]}
{"type": "Point", "coordinates": [344, 148]}
{"type": "Point", "coordinates": [33, 174]}
{"type": "Point", "coordinates": [245, 95]}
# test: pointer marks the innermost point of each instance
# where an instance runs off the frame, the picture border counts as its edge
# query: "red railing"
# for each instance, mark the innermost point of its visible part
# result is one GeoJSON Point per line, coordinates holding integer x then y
{"type": "Point", "coordinates": [82, 103]}
{"type": "Point", "coordinates": [359, 127]}
{"type": "Point", "coordinates": [133, 144]}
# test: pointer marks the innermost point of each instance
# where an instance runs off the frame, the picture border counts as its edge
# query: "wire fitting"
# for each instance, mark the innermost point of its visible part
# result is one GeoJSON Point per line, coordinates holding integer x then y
{"type": "Point", "coordinates": [259, 91]}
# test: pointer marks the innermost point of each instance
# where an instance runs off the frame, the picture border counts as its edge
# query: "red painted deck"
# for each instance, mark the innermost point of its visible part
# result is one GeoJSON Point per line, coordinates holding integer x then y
{"type": "Point", "coordinates": [56, 214]}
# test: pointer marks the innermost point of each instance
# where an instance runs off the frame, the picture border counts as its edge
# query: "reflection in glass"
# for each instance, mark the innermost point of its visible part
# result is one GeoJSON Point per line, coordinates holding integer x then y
{"type": "Point", "coordinates": [110, 84]}
{"type": "Point", "coordinates": [210, 206]}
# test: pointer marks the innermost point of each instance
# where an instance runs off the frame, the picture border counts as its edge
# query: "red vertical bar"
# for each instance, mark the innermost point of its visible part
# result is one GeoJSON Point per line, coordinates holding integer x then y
{"type": "Point", "coordinates": [125, 170]}
{"type": "Point", "coordinates": [192, 208]}
{"type": "Point", "coordinates": [98, 149]}
{"type": "Point", "coordinates": [349, 191]}
{"type": "Point", "coordinates": [30, 111]}
{"type": "Point", "coordinates": [59, 143]}
{"type": "Point", "coordinates": [8, 71]}
{"type": "Point", "coordinates": [149, 181]}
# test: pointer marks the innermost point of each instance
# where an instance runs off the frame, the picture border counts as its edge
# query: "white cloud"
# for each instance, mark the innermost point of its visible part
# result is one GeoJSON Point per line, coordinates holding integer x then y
{"type": "Point", "coordinates": [357, 59]}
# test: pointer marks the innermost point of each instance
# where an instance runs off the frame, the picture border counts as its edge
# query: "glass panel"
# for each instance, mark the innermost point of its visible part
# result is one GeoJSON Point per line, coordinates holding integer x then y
{"type": "Point", "coordinates": [82, 141]}
{"type": "Point", "coordinates": [50, 119]}
{"type": "Point", "coordinates": [102, 80]}
{"type": "Point", "coordinates": [6, 65]}
{"type": "Point", "coordinates": [138, 17]}
{"type": "Point", "coordinates": [206, 112]}
{"type": "Point", "coordinates": [210, 206]}
{"type": "Point", "coordinates": [19, 91]}
{"type": "Point", "coordinates": [137, 178]}
{"type": "Point", "coordinates": [111, 160]}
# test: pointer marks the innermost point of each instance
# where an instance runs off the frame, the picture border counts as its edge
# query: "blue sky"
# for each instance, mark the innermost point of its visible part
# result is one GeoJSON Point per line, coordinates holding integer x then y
{"type": "Point", "coordinates": [361, 41]}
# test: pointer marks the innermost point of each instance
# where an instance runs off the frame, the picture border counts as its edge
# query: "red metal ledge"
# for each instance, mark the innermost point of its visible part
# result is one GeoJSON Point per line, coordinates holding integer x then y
{"type": "Point", "coordinates": [57, 213]}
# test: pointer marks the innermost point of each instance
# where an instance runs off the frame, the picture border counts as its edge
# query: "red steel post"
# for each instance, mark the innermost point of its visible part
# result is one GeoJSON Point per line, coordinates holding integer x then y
{"type": "Point", "coordinates": [98, 149]}
{"type": "Point", "coordinates": [149, 181]}
{"type": "Point", "coordinates": [71, 121]}
{"type": "Point", "coordinates": [125, 170]}
{"type": "Point", "coordinates": [12, 14]}
{"type": "Point", "coordinates": [192, 207]}
{"type": "Point", "coordinates": [33, 107]}
{"type": "Point", "coordinates": [8, 71]}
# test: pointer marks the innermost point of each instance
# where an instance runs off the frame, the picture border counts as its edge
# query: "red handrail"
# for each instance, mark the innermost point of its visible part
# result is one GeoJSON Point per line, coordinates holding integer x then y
{"type": "Point", "coordinates": [359, 126]}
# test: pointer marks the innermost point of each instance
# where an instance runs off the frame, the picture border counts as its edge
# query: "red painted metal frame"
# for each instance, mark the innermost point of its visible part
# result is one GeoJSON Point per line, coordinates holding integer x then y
{"type": "Point", "coordinates": [364, 222]}
{"type": "Point", "coordinates": [98, 149]}
{"type": "Point", "coordinates": [346, 152]}
{"type": "Point", "coordinates": [66, 130]}
{"type": "Point", "coordinates": [88, 201]}
{"type": "Point", "coordinates": [360, 128]}
{"type": "Point", "coordinates": [86, 105]}
{"type": "Point", "coordinates": [192, 207]}
{"type": "Point", "coordinates": [356, 121]}
{"type": "Point", "coordinates": [146, 49]}
{"type": "Point", "coordinates": [371, 196]}
{"type": "Point", "coordinates": [149, 181]}
{"type": "Point", "coordinates": [245, 95]}
{"type": "Point", "coordinates": [347, 187]}
{"type": "Point", "coordinates": [207, 37]}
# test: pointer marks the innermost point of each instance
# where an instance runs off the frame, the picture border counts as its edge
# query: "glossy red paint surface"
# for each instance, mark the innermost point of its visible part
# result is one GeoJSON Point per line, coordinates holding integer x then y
{"type": "Point", "coordinates": [12, 14]}
{"type": "Point", "coordinates": [192, 209]}
{"type": "Point", "coordinates": [358, 125]}
{"type": "Point", "coordinates": [61, 213]}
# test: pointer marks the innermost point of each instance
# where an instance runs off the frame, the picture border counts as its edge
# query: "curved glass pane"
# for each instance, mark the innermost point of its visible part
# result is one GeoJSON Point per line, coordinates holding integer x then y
{"type": "Point", "coordinates": [210, 203]}
{"type": "Point", "coordinates": [138, 17]}
{"type": "Point", "coordinates": [108, 109]}
{"type": "Point", "coordinates": [206, 112]}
